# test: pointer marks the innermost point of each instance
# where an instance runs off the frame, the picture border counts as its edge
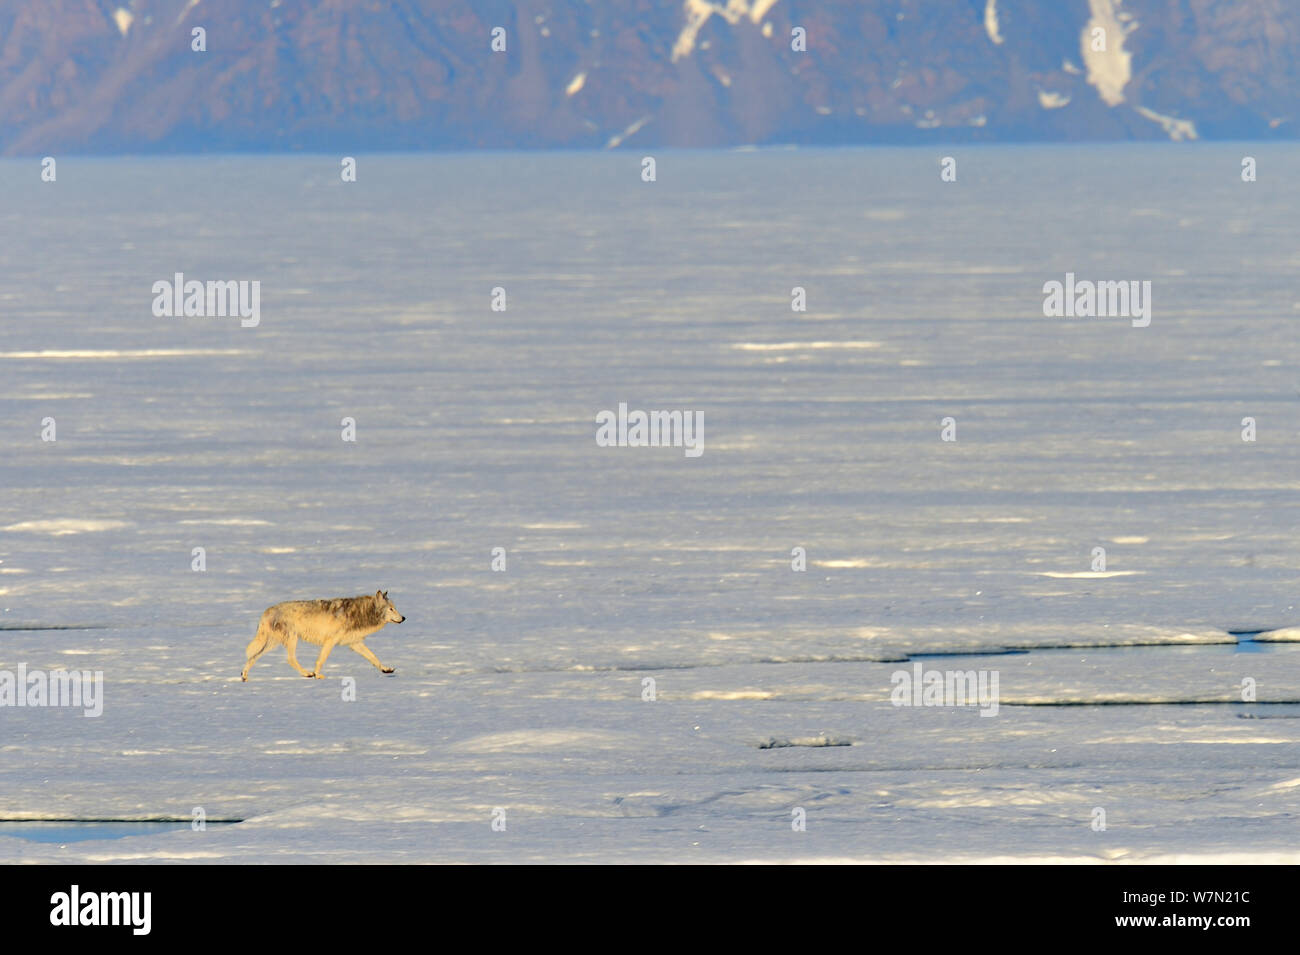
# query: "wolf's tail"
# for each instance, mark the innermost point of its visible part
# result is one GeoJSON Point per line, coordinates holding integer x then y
{"type": "Point", "coordinates": [260, 643]}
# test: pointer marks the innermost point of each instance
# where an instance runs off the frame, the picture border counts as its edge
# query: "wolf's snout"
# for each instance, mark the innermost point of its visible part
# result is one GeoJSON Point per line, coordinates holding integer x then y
{"type": "Point", "coordinates": [400, 618]}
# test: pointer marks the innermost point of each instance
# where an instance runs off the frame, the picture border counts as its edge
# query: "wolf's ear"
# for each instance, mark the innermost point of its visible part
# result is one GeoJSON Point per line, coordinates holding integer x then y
{"type": "Point", "coordinates": [385, 594]}
{"type": "Point", "coordinates": [379, 593]}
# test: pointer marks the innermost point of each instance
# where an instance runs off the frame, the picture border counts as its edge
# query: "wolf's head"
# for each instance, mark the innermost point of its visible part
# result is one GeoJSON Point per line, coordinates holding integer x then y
{"type": "Point", "coordinates": [386, 608]}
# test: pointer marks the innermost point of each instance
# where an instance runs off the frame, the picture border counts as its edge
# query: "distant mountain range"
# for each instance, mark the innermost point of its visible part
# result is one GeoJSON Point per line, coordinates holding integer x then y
{"type": "Point", "coordinates": [346, 76]}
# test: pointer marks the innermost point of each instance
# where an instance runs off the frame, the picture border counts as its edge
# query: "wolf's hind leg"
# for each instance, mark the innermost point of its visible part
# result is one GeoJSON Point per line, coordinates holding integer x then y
{"type": "Point", "coordinates": [259, 645]}
{"type": "Point", "coordinates": [364, 650]}
{"type": "Point", "coordinates": [320, 660]}
{"type": "Point", "coordinates": [292, 646]}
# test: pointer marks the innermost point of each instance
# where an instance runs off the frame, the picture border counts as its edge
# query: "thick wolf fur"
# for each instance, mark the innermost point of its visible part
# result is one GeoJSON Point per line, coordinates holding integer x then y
{"type": "Point", "coordinates": [326, 623]}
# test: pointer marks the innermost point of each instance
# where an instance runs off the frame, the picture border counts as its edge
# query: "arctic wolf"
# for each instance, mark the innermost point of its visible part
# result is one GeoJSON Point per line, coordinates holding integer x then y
{"type": "Point", "coordinates": [327, 623]}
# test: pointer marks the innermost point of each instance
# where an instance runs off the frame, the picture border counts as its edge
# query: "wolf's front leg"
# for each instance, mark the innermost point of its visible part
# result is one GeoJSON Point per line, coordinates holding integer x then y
{"type": "Point", "coordinates": [320, 660]}
{"type": "Point", "coordinates": [364, 650]}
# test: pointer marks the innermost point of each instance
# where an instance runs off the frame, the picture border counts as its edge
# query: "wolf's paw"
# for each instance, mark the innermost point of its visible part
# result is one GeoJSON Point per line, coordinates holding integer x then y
{"type": "Point", "coordinates": [243, 678]}
{"type": "Point", "coordinates": [314, 676]}
{"type": "Point", "coordinates": [385, 669]}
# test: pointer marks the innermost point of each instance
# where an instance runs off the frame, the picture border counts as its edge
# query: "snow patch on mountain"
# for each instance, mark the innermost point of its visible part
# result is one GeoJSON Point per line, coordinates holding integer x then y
{"type": "Point", "coordinates": [617, 140]}
{"type": "Point", "coordinates": [1178, 129]}
{"type": "Point", "coordinates": [191, 4]}
{"type": "Point", "coordinates": [1108, 64]}
{"type": "Point", "coordinates": [699, 11]}
{"type": "Point", "coordinates": [991, 21]}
